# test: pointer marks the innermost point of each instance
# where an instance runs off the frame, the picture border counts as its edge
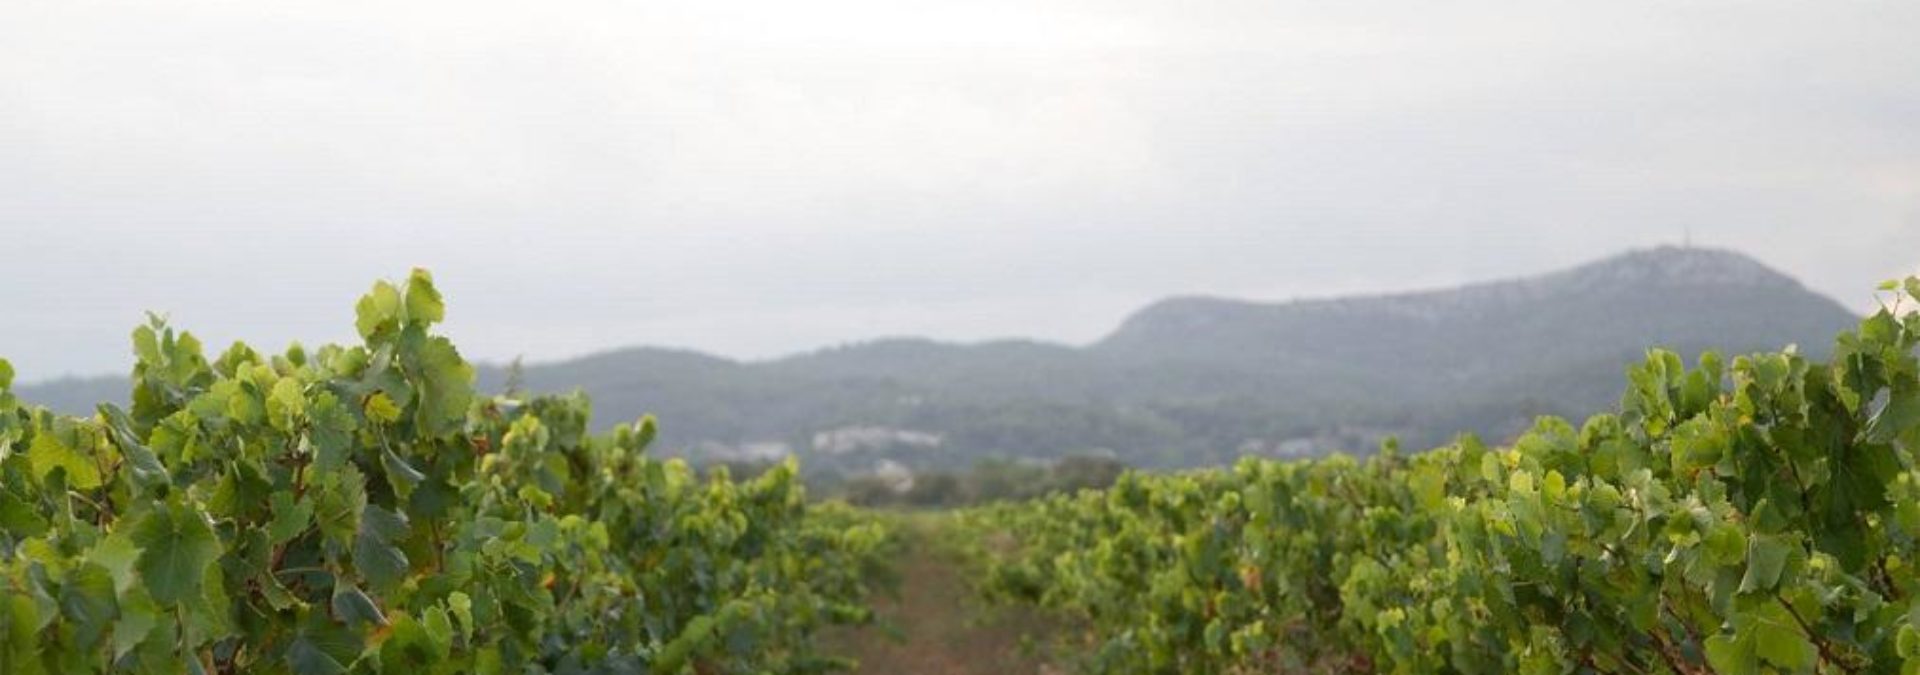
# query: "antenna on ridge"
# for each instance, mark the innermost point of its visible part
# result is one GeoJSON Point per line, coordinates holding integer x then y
{"type": "Point", "coordinates": [1686, 237]}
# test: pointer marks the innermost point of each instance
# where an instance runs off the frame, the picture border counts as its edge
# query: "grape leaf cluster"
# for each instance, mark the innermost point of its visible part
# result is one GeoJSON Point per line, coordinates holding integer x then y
{"type": "Point", "coordinates": [1754, 516]}
{"type": "Point", "coordinates": [360, 509]}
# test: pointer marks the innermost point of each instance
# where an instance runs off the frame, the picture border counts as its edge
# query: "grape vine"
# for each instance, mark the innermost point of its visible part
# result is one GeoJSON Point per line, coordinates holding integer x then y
{"type": "Point", "coordinates": [1747, 517]}
{"type": "Point", "coordinates": [360, 509]}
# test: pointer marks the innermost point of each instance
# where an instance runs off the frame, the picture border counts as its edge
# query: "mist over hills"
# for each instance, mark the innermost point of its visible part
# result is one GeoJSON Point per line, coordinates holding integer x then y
{"type": "Point", "coordinates": [1195, 380]}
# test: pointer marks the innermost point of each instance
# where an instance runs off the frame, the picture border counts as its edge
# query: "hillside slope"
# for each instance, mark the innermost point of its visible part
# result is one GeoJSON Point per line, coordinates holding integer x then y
{"type": "Point", "coordinates": [1190, 381]}
{"type": "Point", "coordinates": [1198, 380]}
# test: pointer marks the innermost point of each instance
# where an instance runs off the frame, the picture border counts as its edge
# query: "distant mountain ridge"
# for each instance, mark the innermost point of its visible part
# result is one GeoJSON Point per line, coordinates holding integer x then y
{"type": "Point", "coordinates": [1197, 380]}
{"type": "Point", "coordinates": [1605, 312]}
{"type": "Point", "coordinates": [1666, 269]}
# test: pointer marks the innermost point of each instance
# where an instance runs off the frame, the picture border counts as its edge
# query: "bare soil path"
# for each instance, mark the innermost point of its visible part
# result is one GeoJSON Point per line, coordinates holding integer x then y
{"type": "Point", "coordinates": [935, 626]}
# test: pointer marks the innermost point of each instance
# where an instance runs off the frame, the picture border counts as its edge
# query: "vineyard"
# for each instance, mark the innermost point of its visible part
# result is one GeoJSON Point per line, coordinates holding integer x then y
{"type": "Point", "coordinates": [361, 509]}
{"type": "Point", "coordinates": [1746, 517]}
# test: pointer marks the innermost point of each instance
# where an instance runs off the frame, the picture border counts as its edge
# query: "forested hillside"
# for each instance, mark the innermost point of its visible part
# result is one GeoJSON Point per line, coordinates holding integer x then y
{"type": "Point", "coordinates": [1195, 381]}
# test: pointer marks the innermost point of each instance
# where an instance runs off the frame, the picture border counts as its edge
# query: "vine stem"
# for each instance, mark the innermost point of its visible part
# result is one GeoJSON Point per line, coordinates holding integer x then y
{"type": "Point", "coordinates": [1820, 643]}
{"type": "Point", "coordinates": [1668, 654]}
{"type": "Point", "coordinates": [300, 462]}
{"type": "Point", "coordinates": [302, 570]}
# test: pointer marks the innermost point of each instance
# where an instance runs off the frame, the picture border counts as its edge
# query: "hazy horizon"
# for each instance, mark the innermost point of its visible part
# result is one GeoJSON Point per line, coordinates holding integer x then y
{"type": "Point", "coordinates": [533, 359]}
{"type": "Point", "coordinates": [754, 178]}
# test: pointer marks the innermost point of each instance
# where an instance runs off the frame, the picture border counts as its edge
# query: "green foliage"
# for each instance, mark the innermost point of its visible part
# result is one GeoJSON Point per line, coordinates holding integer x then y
{"type": "Point", "coordinates": [1760, 516]}
{"type": "Point", "coordinates": [359, 509]}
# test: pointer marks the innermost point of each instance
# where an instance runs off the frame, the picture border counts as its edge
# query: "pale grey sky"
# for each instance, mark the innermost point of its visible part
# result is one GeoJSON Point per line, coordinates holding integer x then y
{"type": "Point", "coordinates": [764, 176]}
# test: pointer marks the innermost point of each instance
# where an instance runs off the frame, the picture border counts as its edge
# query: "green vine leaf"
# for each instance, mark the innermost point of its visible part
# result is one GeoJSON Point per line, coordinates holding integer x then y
{"type": "Point", "coordinates": [176, 546]}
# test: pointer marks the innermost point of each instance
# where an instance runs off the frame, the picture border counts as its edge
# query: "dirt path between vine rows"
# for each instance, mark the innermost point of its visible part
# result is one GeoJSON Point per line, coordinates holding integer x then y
{"type": "Point", "coordinates": [935, 627]}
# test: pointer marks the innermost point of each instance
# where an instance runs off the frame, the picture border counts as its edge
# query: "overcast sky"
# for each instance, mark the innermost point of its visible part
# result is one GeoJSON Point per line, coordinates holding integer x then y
{"type": "Point", "coordinates": [759, 177]}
